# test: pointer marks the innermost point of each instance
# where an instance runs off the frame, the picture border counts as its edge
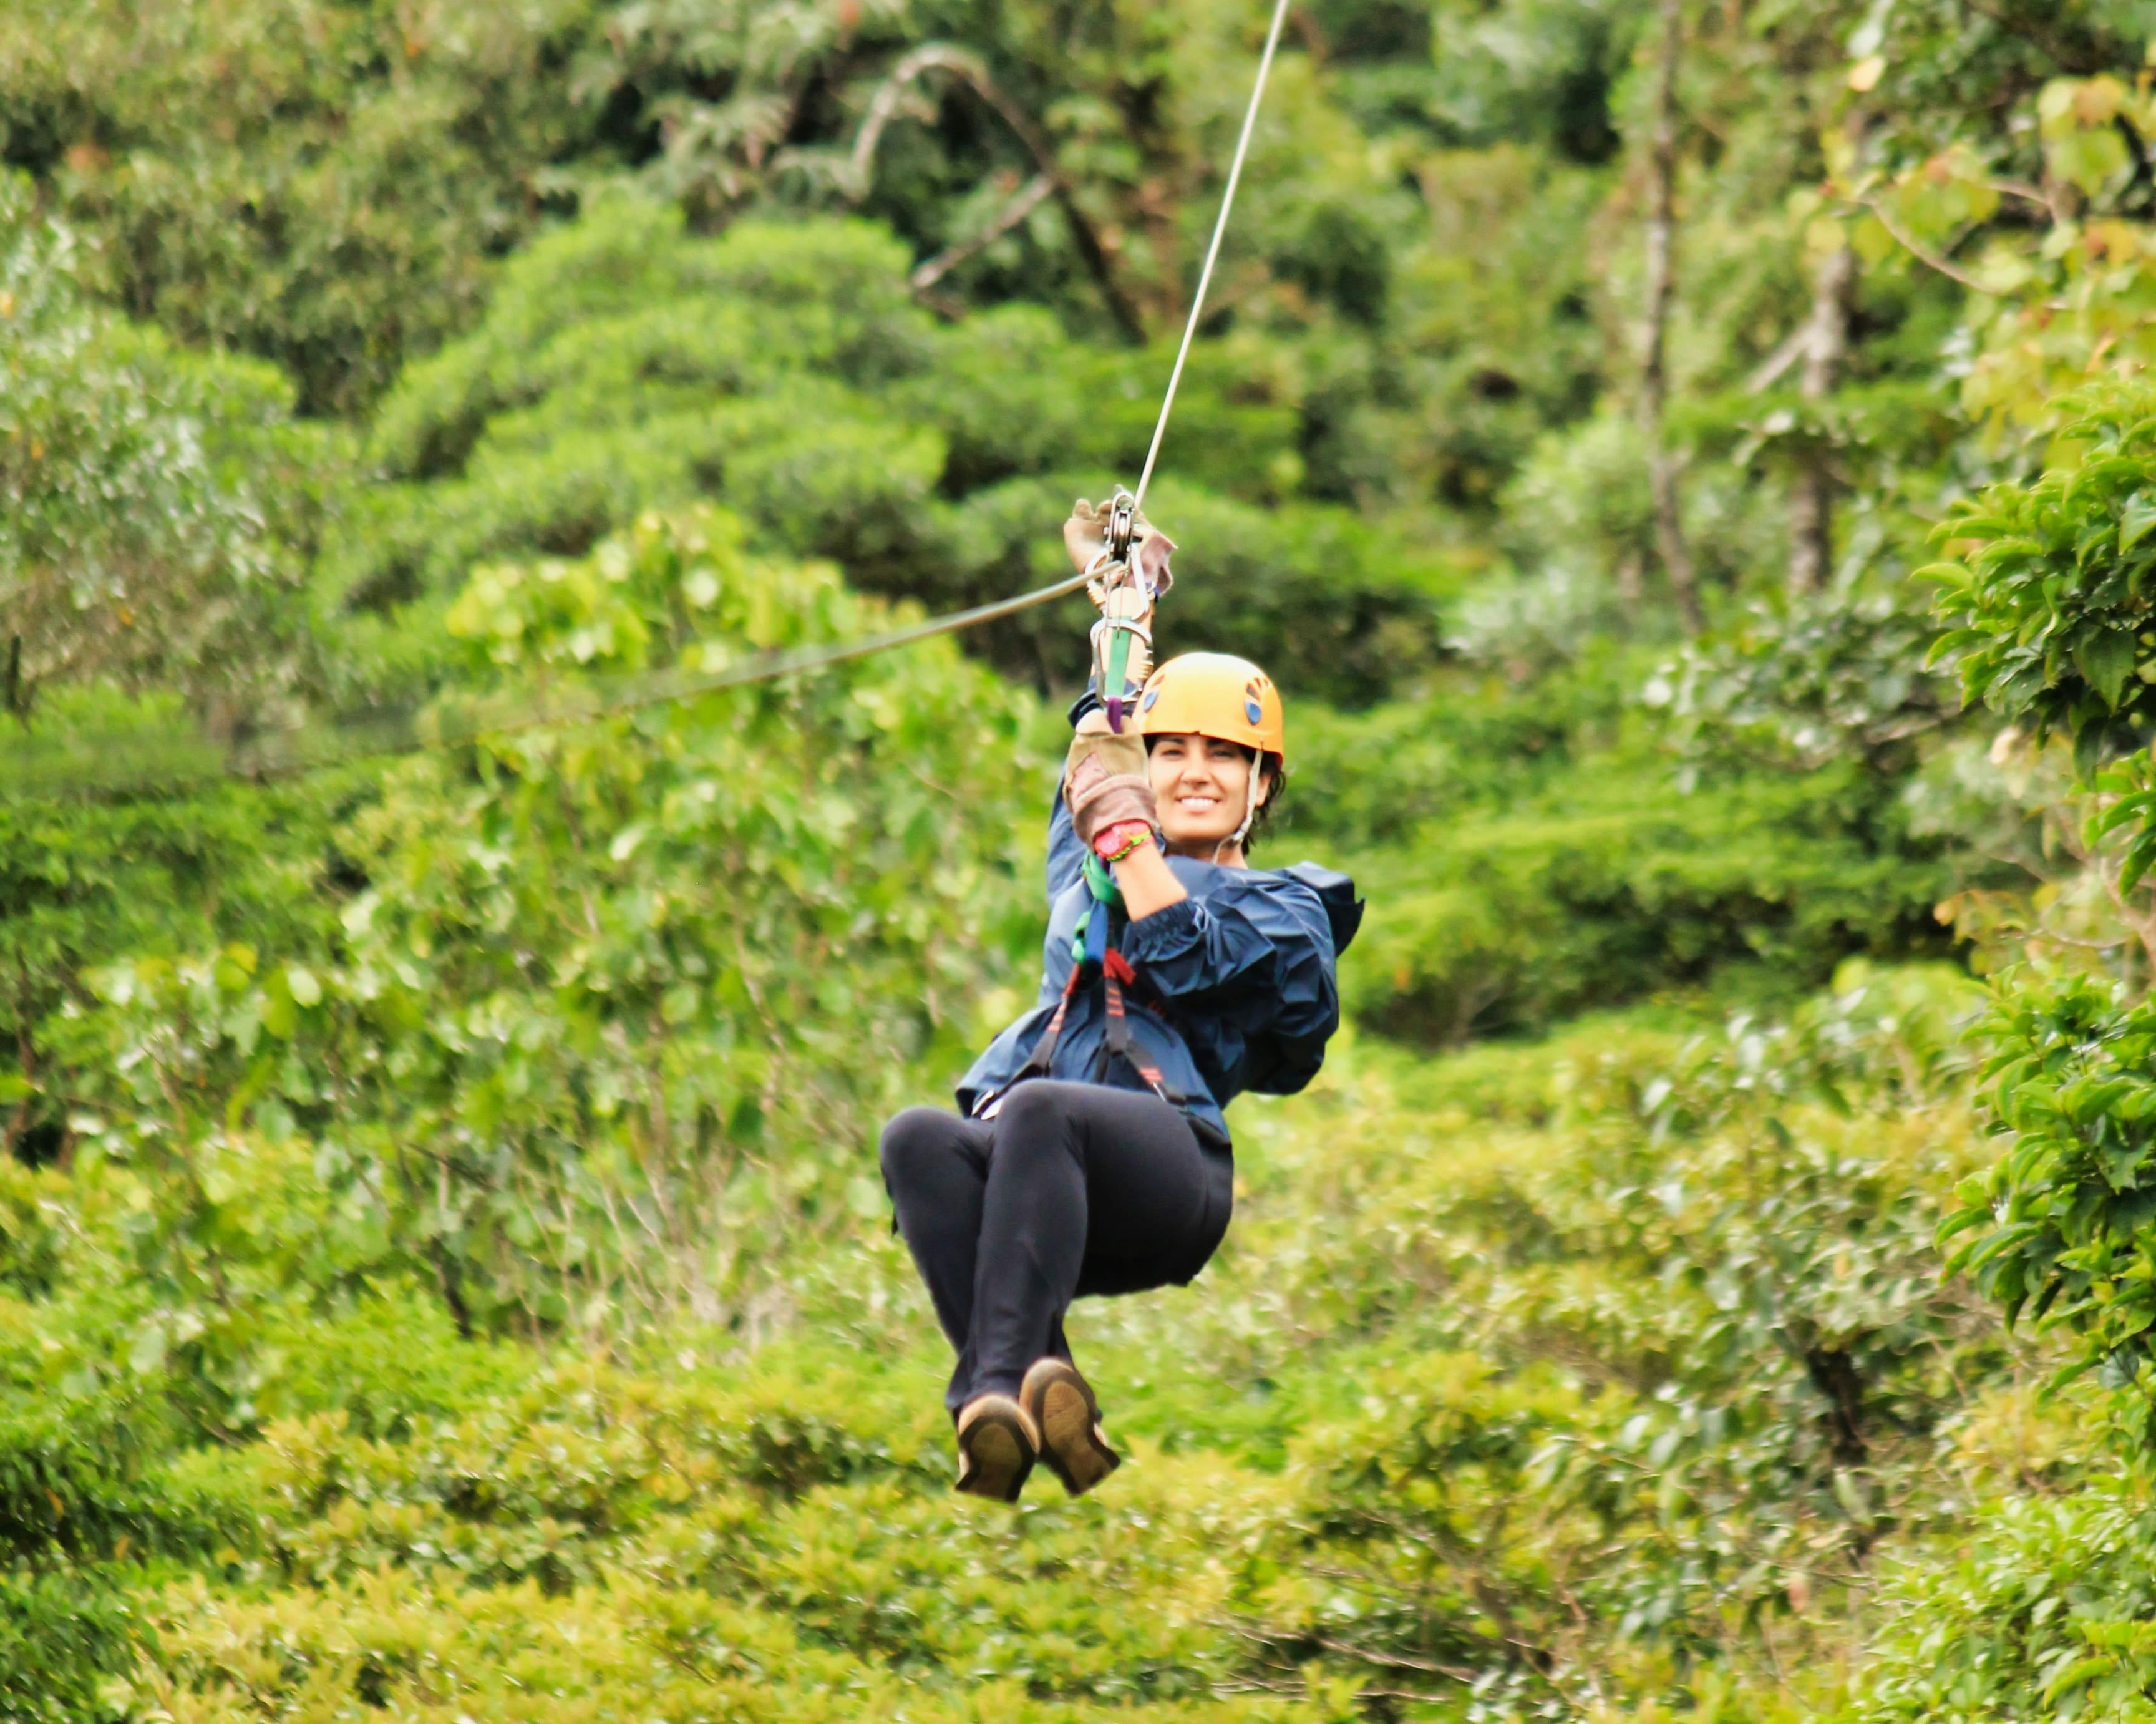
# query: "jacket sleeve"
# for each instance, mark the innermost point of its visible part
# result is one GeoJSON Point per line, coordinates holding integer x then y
{"type": "Point", "coordinates": [1066, 855]}
{"type": "Point", "coordinates": [1259, 954]}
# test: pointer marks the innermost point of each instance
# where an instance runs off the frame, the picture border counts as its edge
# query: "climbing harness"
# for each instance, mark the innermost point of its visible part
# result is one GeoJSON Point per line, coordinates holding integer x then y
{"type": "Point", "coordinates": [151, 763]}
{"type": "Point", "coordinates": [1092, 953]}
{"type": "Point", "coordinates": [1116, 975]}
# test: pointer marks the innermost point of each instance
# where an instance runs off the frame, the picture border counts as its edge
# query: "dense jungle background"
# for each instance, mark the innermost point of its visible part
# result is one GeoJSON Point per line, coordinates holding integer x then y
{"type": "Point", "coordinates": [1689, 463]}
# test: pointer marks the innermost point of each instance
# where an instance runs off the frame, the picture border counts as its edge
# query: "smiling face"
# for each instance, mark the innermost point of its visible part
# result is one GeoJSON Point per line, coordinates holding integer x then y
{"type": "Point", "coordinates": [1201, 786]}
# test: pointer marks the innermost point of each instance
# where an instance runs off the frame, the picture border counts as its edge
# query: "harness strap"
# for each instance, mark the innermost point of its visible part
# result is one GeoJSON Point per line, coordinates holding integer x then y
{"type": "Point", "coordinates": [1092, 951]}
{"type": "Point", "coordinates": [1116, 975]}
{"type": "Point", "coordinates": [1044, 1050]}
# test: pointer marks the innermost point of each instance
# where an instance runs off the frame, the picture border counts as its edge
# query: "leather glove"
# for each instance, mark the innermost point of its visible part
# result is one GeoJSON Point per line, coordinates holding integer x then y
{"type": "Point", "coordinates": [1105, 782]}
{"type": "Point", "coordinates": [1086, 536]}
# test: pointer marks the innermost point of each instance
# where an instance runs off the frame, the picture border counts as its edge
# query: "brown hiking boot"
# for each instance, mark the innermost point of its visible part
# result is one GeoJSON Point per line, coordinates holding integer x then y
{"type": "Point", "coordinates": [1061, 1405]}
{"type": "Point", "coordinates": [997, 1443]}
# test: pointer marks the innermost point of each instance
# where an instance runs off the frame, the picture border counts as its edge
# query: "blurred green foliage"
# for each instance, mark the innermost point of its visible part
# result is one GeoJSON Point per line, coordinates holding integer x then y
{"type": "Point", "coordinates": [441, 1269]}
{"type": "Point", "coordinates": [2048, 1609]}
{"type": "Point", "coordinates": [627, 365]}
{"type": "Point", "coordinates": [2061, 1219]}
{"type": "Point", "coordinates": [1733, 820]}
{"type": "Point", "coordinates": [2047, 608]}
{"type": "Point", "coordinates": [579, 981]}
{"type": "Point", "coordinates": [146, 537]}
{"type": "Point", "coordinates": [1646, 1345]}
{"type": "Point", "coordinates": [320, 184]}
{"type": "Point", "coordinates": [2046, 611]}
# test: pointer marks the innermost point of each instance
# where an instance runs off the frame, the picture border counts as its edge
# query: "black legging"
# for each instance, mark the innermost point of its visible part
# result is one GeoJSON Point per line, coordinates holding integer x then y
{"type": "Point", "coordinates": [1071, 1189]}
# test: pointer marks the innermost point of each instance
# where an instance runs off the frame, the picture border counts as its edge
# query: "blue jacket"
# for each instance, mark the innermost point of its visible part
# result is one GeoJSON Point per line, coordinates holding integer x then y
{"type": "Point", "coordinates": [1235, 989]}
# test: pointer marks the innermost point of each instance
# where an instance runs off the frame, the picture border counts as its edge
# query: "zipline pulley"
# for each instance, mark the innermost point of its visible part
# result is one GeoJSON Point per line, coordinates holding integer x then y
{"type": "Point", "coordinates": [1126, 593]}
{"type": "Point", "coordinates": [1122, 522]}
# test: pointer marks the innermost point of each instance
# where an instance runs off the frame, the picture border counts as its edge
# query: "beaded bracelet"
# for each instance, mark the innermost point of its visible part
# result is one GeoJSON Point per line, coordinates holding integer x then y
{"type": "Point", "coordinates": [1140, 835]}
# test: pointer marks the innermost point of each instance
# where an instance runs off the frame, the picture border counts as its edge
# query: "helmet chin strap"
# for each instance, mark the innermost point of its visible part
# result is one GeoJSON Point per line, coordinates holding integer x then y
{"type": "Point", "coordinates": [1249, 810]}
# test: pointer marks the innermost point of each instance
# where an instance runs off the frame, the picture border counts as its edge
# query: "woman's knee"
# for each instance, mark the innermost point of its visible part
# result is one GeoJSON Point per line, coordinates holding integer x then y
{"type": "Point", "coordinates": [915, 1143]}
{"type": "Point", "coordinates": [1035, 1117]}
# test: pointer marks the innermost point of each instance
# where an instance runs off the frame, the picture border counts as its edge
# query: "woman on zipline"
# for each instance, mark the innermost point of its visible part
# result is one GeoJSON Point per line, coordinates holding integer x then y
{"type": "Point", "coordinates": [1090, 1155]}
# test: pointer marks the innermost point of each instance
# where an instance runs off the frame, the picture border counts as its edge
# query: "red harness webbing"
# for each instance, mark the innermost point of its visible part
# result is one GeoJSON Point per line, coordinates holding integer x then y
{"type": "Point", "coordinates": [1044, 1051]}
{"type": "Point", "coordinates": [1116, 975]}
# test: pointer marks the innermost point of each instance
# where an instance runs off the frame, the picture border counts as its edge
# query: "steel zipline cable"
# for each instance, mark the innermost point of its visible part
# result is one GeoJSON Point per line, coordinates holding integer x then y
{"type": "Point", "coordinates": [1212, 250]}
{"type": "Point", "coordinates": [102, 762]}
{"type": "Point", "coordinates": [451, 720]}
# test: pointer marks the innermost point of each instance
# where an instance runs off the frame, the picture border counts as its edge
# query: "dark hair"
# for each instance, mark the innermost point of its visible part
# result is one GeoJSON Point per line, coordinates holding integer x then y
{"type": "Point", "coordinates": [1272, 770]}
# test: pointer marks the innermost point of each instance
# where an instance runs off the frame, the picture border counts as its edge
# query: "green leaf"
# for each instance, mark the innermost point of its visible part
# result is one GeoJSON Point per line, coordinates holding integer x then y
{"type": "Point", "coordinates": [2137, 519]}
{"type": "Point", "coordinates": [2140, 857]}
{"type": "Point", "coordinates": [2106, 660]}
{"type": "Point", "coordinates": [147, 1353]}
{"type": "Point", "coordinates": [278, 1016]}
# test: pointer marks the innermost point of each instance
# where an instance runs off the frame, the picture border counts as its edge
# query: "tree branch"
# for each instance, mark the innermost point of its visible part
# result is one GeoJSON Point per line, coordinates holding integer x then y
{"type": "Point", "coordinates": [1028, 198]}
{"type": "Point", "coordinates": [2027, 193]}
{"type": "Point", "coordinates": [1395, 1661]}
{"type": "Point", "coordinates": [1779, 361]}
{"type": "Point", "coordinates": [2062, 53]}
{"type": "Point", "coordinates": [26, 1057]}
{"type": "Point", "coordinates": [967, 69]}
{"type": "Point", "coordinates": [1661, 293]}
{"type": "Point", "coordinates": [1811, 494]}
{"type": "Point", "coordinates": [14, 695]}
{"type": "Point", "coordinates": [1931, 260]}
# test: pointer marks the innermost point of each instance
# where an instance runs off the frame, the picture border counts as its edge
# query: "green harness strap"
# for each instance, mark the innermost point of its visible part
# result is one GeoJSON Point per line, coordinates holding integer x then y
{"type": "Point", "coordinates": [1119, 661]}
{"type": "Point", "coordinates": [1104, 889]}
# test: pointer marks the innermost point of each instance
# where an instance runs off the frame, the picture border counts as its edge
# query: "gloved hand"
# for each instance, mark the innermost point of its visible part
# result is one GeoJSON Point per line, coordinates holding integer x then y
{"type": "Point", "coordinates": [1105, 780]}
{"type": "Point", "coordinates": [1086, 536]}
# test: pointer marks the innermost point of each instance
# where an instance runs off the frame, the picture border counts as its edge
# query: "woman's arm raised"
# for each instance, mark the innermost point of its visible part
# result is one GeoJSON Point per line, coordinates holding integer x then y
{"type": "Point", "coordinates": [1147, 882]}
{"type": "Point", "coordinates": [1107, 777]}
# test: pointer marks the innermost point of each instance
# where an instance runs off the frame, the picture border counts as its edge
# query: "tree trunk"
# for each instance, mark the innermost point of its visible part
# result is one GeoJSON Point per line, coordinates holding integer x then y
{"type": "Point", "coordinates": [26, 1059]}
{"type": "Point", "coordinates": [1661, 291]}
{"type": "Point", "coordinates": [1811, 498]}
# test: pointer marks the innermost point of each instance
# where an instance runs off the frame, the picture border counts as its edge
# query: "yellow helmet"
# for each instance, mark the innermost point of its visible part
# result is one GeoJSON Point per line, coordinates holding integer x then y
{"type": "Point", "coordinates": [1218, 695]}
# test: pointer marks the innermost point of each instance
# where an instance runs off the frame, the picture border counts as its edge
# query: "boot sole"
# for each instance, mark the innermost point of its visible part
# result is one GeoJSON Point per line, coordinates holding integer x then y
{"type": "Point", "coordinates": [995, 1451]}
{"type": "Point", "coordinates": [1063, 1408]}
